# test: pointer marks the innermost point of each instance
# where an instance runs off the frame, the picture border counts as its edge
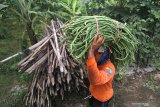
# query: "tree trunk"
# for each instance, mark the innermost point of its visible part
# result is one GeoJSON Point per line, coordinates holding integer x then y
{"type": "Point", "coordinates": [31, 33]}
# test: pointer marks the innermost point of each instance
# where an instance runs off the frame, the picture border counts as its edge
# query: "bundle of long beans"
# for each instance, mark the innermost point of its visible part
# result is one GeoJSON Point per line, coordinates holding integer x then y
{"type": "Point", "coordinates": [54, 70]}
{"type": "Point", "coordinates": [81, 30]}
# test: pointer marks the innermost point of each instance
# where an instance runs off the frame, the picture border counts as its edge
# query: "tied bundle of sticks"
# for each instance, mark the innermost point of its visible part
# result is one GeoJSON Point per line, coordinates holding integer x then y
{"type": "Point", "coordinates": [54, 70]}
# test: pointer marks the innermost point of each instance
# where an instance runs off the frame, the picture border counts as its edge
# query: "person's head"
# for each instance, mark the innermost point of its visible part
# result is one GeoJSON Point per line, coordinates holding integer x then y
{"type": "Point", "coordinates": [101, 55]}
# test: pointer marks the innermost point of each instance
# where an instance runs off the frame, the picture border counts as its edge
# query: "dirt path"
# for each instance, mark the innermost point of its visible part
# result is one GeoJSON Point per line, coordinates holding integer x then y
{"type": "Point", "coordinates": [139, 90]}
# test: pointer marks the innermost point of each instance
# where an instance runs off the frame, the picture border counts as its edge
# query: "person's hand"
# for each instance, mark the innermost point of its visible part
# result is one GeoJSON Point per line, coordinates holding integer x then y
{"type": "Point", "coordinates": [97, 42]}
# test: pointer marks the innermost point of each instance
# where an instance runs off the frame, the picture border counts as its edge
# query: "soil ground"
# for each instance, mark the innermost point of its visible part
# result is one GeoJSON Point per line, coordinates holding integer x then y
{"type": "Point", "coordinates": [138, 90]}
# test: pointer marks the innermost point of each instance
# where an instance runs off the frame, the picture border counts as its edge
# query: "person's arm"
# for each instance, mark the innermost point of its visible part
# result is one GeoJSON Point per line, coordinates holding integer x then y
{"type": "Point", "coordinates": [96, 76]}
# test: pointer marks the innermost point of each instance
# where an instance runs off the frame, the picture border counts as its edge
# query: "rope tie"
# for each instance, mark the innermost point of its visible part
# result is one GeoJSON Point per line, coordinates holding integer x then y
{"type": "Point", "coordinates": [97, 27]}
{"type": "Point", "coordinates": [97, 32]}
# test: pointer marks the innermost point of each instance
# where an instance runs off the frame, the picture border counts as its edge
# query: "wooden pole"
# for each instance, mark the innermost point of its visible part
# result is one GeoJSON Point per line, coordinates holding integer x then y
{"type": "Point", "coordinates": [24, 51]}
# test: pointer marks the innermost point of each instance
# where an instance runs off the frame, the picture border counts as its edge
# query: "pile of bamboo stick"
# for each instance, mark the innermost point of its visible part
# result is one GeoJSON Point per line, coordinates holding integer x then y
{"type": "Point", "coordinates": [54, 70]}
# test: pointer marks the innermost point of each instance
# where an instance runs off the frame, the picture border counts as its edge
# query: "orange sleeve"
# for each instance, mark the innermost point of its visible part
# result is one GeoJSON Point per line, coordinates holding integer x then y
{"type": "Point", "coordinates": [96, 76]}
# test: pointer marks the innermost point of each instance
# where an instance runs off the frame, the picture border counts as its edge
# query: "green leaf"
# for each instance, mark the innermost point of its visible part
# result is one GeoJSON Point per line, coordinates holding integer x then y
{"type": "Point", "coordinates": [3, 6]}
{"type": "Point", "coordinates": [156, 13]}
{"type": "Point", "coordinates": [145, 50]}
{"type": "Point", "coordinates": [78, 11]}
{"type": "Point", "coordinates": [20, 15]}
{"type": "Point", "coordinates": [74, 4]}
{"type": "Point", "coordinates": [66, 7]}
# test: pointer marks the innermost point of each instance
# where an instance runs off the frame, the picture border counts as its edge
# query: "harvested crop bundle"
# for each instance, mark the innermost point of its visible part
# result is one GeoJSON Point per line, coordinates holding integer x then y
{"type": "Point", "coordinates": [81, 30]}
{"type": "Point", "coordinates": [54, 70]}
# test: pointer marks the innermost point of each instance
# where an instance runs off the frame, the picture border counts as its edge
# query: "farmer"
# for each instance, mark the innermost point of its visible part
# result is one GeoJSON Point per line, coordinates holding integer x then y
{"type": "Point", "coordinates": [100, 73]}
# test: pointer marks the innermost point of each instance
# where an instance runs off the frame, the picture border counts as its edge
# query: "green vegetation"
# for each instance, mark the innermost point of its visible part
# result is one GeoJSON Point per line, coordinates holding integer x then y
{"type": "Point", "coordinates": [144, 18]}
{"type": "Point", "coordinates": [10, 94]}
{"type": "Point", "coordinates": [22, 23]}
{"type": "Point", "coordinates": [80, 32]}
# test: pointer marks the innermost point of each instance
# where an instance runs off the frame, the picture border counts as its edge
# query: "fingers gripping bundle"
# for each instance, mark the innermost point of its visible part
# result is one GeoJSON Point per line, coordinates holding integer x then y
{"type": "Point", "coordinates": [81, 30]}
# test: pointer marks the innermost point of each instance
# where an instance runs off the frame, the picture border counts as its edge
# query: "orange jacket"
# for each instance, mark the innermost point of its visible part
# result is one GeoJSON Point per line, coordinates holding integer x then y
{"type": "Point", "coordinates": [100, 78]}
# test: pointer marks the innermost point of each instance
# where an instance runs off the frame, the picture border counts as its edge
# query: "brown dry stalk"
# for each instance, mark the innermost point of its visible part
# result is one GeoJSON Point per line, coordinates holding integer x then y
{"type": "Point", "coordinates": [54, 70]}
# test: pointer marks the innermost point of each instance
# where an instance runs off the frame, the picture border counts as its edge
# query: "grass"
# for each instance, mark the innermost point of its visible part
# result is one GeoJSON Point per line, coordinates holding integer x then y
{"type": "Point", "coordinates": [12, 42]}
{"type": "Point", "coordinates": [9, 77]}
{"type": "Point", "coordinates": [9, 80]}
{"type": "Point", "coordinates": [12, 32]}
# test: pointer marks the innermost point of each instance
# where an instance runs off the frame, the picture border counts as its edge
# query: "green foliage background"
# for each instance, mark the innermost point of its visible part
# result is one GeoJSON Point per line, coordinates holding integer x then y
{"type": "Point", "coordinates": [143, 16]}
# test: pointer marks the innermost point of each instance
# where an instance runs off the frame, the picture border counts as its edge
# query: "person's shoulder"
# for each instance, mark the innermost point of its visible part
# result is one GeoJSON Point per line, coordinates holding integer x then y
{"type": "Point", "coordinates": [110, 65]}
{"type": "Point", "coordinates": [109, 62]}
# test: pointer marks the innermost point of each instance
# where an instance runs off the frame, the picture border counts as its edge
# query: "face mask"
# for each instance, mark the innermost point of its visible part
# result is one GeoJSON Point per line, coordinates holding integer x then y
{"type": "Point", "coordinates": [104, 57]}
